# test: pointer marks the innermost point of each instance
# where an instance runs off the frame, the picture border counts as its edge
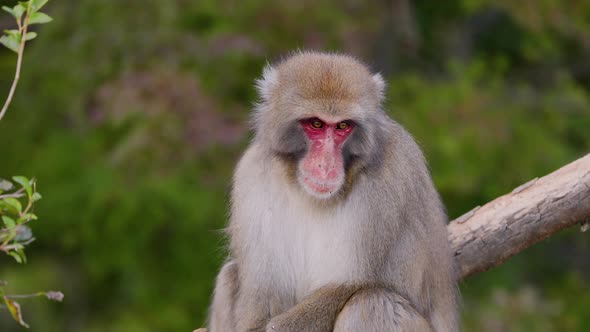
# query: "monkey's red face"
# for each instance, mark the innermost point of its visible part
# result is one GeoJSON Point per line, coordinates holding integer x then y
{"type": "Point", "coordinates": [321, 171]}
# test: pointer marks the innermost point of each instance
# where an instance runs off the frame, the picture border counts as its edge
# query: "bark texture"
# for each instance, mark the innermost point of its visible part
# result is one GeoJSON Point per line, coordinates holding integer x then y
{"type": "Point", "coordinates": [488, 235]}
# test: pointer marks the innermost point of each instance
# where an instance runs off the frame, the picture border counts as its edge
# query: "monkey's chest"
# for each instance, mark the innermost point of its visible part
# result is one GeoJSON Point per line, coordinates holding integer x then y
{"type": "Point", "coordinates": [314, 252]}
{"type": "Point", "coordinates": [291, 244]}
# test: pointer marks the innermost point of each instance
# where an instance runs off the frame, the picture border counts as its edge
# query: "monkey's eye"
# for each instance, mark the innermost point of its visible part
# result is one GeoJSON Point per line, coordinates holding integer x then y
{"type": "Point", "coordinates": [317, 124]}
{"type": "Point", "coordinates": [343, 125]}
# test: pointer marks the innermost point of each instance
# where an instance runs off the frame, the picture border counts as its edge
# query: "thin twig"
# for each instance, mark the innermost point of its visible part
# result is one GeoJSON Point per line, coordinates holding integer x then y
{"type": "Point", "coordinates": [7, 249]}
{"type": "Point", "coordinates": [25, 296]}
{"type": "Point", "coordinates": [17, 194]}
{"type": "Point", "coordinates": [29, 206]}
{"type": "Point", "coordinates": [21, 49]}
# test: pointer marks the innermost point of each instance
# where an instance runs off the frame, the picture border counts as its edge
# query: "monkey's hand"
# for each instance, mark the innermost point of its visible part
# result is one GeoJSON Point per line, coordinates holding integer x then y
{"type": "Point", "coordinates": [315, 313]}
{"type": "Point", "coordinates": [279, 323]}
{"type": "Point", "coordinates": [291, 322]}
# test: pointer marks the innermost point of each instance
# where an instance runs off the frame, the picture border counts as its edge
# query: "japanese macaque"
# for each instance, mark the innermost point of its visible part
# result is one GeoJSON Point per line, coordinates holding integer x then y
{"type": "Point", "coordinates": [335, 222]}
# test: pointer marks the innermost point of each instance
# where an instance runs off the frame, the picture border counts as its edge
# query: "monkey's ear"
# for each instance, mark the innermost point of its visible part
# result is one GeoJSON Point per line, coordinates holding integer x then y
{"type": "Point", "coordinates": [379, 83]}
{"type": "Point", "coordinates": [267, 83]}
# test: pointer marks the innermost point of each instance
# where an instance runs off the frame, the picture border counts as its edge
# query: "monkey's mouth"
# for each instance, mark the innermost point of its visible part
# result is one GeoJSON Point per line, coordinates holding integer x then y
{"type": "Point", "coordinates": [319, 188]}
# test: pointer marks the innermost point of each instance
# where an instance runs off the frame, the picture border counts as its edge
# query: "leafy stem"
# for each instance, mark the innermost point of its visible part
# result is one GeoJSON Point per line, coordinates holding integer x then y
{"type": "Point", "coordinates": [22, 28]}
{"type": "Point", "coordinates": [16, 39]}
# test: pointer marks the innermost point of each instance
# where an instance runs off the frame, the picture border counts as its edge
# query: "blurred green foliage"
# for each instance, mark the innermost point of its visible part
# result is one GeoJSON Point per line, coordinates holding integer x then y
{"type": "Point", "coordinates": [132, 115]}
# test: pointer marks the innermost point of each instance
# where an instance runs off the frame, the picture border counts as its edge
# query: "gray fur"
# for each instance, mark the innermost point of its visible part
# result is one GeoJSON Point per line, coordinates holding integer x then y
{"type": "Point", "coordinates": [226, 291]}
{"type": "Point", "coordinates": [291, 143]}
{"type": "Point", "coordinates": [374, 259]}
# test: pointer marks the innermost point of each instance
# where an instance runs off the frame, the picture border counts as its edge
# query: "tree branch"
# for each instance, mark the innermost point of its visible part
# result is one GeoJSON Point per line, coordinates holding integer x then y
{"type": "Point", "coordinates": [486, 236]}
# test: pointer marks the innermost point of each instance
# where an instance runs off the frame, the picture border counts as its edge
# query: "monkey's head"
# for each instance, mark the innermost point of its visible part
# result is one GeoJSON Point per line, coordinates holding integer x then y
{"type": "Point", "coordinates": [321, 114]}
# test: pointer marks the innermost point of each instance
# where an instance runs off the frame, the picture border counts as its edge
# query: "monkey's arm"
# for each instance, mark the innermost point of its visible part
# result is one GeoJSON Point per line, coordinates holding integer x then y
{"type": "Point", "coordinates": [315, 313]}
{"type": "Point", "coordinates": [348, 308]}
{"type": "Point", "coordinates": [236, 308]}
{"type": "Point", "coordinates": [221, 313]}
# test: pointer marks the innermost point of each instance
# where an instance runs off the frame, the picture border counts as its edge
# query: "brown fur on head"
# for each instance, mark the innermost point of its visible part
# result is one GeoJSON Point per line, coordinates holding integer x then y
{"type": "Point", "coordinates": [322, 76]}
{"type": "Point", "coordinates": [309, 82]}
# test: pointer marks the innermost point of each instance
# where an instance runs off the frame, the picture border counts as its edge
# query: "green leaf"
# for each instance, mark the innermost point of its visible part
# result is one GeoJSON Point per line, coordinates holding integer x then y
{"type": "Point", "coordinates": [21, 253]}
{"type": "Point", "coordinates": [36, 197]}
{"type": "Point", "coordinates": [39, 18]}
{"type": "Point", "coordinates": [10, 42]}
{"type": "Point", "coordinates": [18, 11]}
{"type": "Point", "coordinates": [5, 185]}
{"type": "Point", "coordinates": [8, 10]}
{"type": "Point", "coordinates": [22, 180]}
{"type": "Point", "coordinates": [37, 4]}
{"type": "Point", "coordinates": [31, 35]}
{"type": "Point", "coordinates": [14, 203]}
{"type": "Point", "coordinates": [8, 222]}
{"type": "Point", "coordinates": [16, 256]}
{"type": "Point", "coordinates": [12, 33]}
{"type": "Point", "coordinates": [26, 217]}
{"type": "Point", "coordinates": [15, 311]}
